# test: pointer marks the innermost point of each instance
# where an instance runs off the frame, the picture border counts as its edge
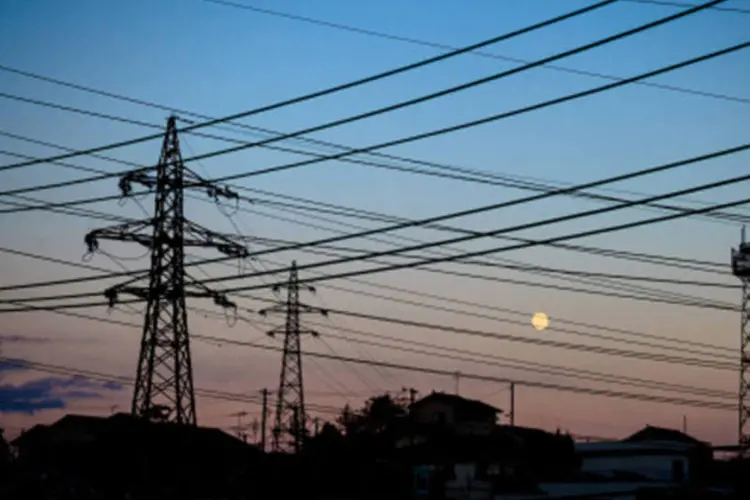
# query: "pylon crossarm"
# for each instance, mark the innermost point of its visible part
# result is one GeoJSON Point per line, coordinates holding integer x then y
{"type": "Point", "coordinates": [139, 176]}
{"type": "Point", "coordinates": [276, 331]}
{"type": "Point", "coordinates": [199, 290]}
{"type": "Point", "coordinates": [231, 250]}
{"type": "Point", "coordinates": [198, 236]}
{"type": "Point", "coordinates": [212, 190]}
{"type": "Point", "coordinates": [120, 232]}
{"type": "Point", "coordinates": [307, 331]}
{"type": "Point", "coordinates": [304, 308]}
{"type": "Point", "coordinates": [112, 293]}
{"type": "Point", "coordinates": [277, 308]}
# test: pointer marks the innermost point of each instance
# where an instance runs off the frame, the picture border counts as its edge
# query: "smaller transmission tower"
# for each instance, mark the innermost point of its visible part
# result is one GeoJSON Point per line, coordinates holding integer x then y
{"type": "Point", "coordinates": [741, 269]}
{"type": "Point", "coordinates": [290, 401]}
{"type": "Point", "coordinates": [164, 379]}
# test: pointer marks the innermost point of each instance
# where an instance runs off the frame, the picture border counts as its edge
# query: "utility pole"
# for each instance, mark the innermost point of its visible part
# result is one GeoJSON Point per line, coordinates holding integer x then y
{"type": "Point", "coordinates": [457, 376]}
{"type": "Point", "coordinates": [263, 420]}
{"type": "Point", "coordinates": [290, 402]}
{"type": "Point", "coordinates": [164, 378]}
{"type": "Point", "coordinates": [410, 415]}
{"type": "Point", "coordinates": [741, 269]}
{"type": "Point", "coordinates": [512, 404]}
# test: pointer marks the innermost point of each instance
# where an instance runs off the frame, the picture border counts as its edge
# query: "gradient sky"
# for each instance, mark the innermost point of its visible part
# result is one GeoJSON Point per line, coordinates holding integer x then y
{"type": "Point", "coordinates": [217, 60]}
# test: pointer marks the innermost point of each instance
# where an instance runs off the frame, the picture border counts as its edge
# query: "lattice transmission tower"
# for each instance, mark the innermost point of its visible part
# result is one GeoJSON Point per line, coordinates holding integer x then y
{"type": "Point", "coordinates": [741, 269]}
{"type": "Point", "coordinates": [291, 418]}
{"type": "Point", "coordinates": [164, 378]}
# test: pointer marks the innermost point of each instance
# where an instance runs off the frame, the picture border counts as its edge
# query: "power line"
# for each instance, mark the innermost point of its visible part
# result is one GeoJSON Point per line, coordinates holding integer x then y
{"type": "Point", "coordinates": [441, 46]}
{"type": "Point", "coordinates": [541, 368]}
{"type": "Point", "coordinates": [348, 85]}
{"type": "Point", "coordinates": [455, 257]}
{"type": "Point", "coordinates": [475, 176]}
{"type": "Point", "coordinates": [453, 310]}
{"type": "Point", "coordinates": [616, 378]}
{"type": "Point", "coordinates": [518, 182]}
{"type": "Point", "coordinates": [104, 377]}
{"type": "Point", "coordinates": [454, 128]}
{"type": "Point", "coordinates": [380, 217]}
{"type": "Point", "coordinates": [106, 216]}
{"type": "Point", "coordinates": [597, 349]}
{"type": "Point", "coordinates": [521, 313]}
{"type": "Point", "coordinates": [669, 3]}
{"type": "Point", "coordinates": [492, 118]}
{"type": "Point", "coordinates": [472, 376]}
{"type": "Point", "coordinates": [96, 318]}
{"type": "Point", "coordinates": [562, 330]}
{"type": "Point", "coordinates": [456, 330]}
{"type": "Point", "coordinates": [477, 234]}
{"type": "Point", "coordinates": [434, 133]}
{"type": "Point", "coordinates": [550, 272]}
{"type": "Point", "coordinates": [441, 298]}
{"type": "Point", "coordinates": [359, 213]}
{"type": "Point", "coordinates": [687, 300]}
{"type": "Point", "coordinates": [217, 394]}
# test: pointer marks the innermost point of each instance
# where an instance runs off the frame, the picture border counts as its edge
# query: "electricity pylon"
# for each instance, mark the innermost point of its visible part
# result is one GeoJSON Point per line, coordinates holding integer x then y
{"type": "Point", "coordinates": [290, 401]}
{"type": "Point", "coordinates": [741, 269]}
{"type": "Point", "coordinates": [164, 378]}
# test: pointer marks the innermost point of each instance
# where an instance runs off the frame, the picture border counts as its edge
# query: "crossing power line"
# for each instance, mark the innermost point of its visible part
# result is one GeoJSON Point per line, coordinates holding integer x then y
{"type": "Point", "coordinates": [480, 377]}
{"type": "Point", "coordinates": [347, 85]}
{"type": "Point", "coordinates": [481, 234]}
{"type": "Point", "coordinates": [433, 133]}
{"type": "Point", "coordinates": [454, 257]}
{"type": "Point", "coordinates": [627, 335]}
{"type": "Point", "coordinates": [485, 54]}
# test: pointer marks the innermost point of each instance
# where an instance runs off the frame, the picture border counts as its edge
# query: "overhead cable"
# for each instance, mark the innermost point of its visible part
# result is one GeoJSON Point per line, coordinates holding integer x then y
{"type": "Point", "coordinates": [348, 85]}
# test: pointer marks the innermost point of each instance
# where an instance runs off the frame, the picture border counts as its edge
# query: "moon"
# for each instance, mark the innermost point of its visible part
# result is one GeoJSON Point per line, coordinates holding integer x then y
{"type": "Point", "coordinates": [540, 321]}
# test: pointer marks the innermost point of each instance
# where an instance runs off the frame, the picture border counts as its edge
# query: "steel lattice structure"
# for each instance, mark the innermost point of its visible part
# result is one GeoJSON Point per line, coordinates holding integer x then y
{"type": "Point", "coordinates": [164, 378]}
{"type": "Point", "coordinates": [291, 418]}
{"type": "Point", "coordinates": [741, 269]}
{"type": "Point", "coordinates": [744, 405]}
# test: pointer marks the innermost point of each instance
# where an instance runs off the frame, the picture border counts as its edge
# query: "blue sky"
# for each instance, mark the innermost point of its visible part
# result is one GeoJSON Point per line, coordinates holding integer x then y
{"type": "Point", "coordinates": [218, 60]}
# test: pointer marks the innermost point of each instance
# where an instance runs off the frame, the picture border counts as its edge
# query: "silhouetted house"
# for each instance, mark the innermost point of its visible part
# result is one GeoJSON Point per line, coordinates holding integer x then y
{"type": "Point", "coordinates": [504, 460]}
{"type": "Point", "coordinates": [125, 453]}
{"type": "Point", "coordinates": [654, 453]}
{"type": "Point", "coordinates": [462, 415]}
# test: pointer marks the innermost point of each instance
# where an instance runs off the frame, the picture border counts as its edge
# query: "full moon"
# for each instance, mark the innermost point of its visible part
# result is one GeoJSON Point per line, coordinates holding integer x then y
{"type": "Point", "coordinates": [539, 321]}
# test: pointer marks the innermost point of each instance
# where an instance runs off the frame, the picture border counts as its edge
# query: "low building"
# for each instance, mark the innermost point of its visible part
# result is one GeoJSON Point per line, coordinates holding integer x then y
{"type": "Point", "coordinates": [506, 461]}
{"type": "Point", "coordinates": [654, 453]}
{"type": "Point", "coordinates": [124, 453]}
{"type": "Point", "coordinates": [462, 415]}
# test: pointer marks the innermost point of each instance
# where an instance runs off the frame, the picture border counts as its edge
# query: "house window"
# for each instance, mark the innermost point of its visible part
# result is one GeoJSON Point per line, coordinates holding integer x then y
{"type": "Point", "coordinates": [678, 470]}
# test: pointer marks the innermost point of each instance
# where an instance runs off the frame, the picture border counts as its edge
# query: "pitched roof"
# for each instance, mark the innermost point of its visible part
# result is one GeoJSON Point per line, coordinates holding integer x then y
{"type": "Point", "coordinates": [122, 423]}
{"type": "Point", "coordinates": [652, 433]}
{"type": "Point", "coordinates": [454, 399]}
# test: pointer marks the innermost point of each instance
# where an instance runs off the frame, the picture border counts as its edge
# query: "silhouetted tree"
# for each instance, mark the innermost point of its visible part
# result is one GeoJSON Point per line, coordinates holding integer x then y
{"type": "Point", "coordinates": [5, 455]}
{"type": "Point", "coordinates": [382, 413]}
{"type": "Point", "coordinates": [379, 415]}
{"type": "Point", "coordinates": [350, 421]}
